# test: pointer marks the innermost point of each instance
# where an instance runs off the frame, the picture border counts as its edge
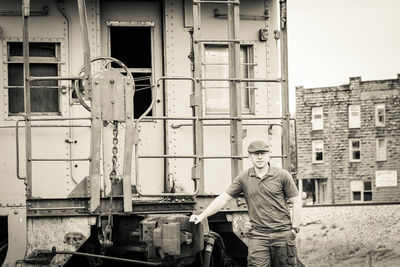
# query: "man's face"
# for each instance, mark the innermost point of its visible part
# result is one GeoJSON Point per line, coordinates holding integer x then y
{"type": "Point", "coordinates": [259, 159]}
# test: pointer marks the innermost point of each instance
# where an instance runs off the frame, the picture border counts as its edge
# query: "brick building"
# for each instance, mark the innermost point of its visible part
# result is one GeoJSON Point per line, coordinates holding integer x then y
{"type": "Point", "coordinates": [348, 141]}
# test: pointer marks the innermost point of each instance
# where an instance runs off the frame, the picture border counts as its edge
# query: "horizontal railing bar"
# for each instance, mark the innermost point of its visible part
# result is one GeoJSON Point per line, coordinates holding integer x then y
{"type": "Point", "coordinates": [60, 159]}
{"type": "Point", "coordinates": [45, 126]}
{"type": "Point", "coordinates": [34, 86]}
{"type": "Point", "coordinates": [227, 64]}
{"type": "Point", "coordinates": [213, 118]}
{"type": "Point", "coordinates": [167, 156]}
{"type": "Point", "coordinates": [214, 2]}
{"type": "Point", "coordinates": [238, 80]}
{"type": "Point", "coordinates": [57, 119]}
{"type": "Point", "coordinates": [216, 41]}
{"type": "Point", "coordinates": [176, 126]}
{"type": "Point", "coordinates": [194, 156]}
{"type": "Point", "coordinates": [56, 78]}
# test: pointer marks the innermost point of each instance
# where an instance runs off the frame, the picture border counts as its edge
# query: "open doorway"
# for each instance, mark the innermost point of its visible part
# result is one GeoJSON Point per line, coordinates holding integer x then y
{"type": "Point", "coordinates": [136, 54]}
{"type": "Point", "coordinates": [315, 191]}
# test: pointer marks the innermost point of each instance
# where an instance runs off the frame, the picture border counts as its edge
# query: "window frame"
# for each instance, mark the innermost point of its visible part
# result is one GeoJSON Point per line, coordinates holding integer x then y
{"type": "Point", "coordinates": [314, 144]}
{"type": "Point", "coordinates": [149, 71]}
{"type": "Point", "coordinates": [378, 149]}
{"type": "Point", "coordinates": [379, 106]}
{"type": "Point", "coordinates": [250, 74]}
{"type": "Point", "coordinates": [354, 121]}
{"type": "Point", "coordinates": [360, 186]}
{"type": "Point", "coordinates": [351, 159]}
{"type": "Point", "coordinates": [317, 124]}
{"type": "Point", "coordinates": [58, 59]}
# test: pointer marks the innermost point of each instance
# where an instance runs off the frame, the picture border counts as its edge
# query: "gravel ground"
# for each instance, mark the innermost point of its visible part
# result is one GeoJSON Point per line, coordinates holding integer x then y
{"type": "Point", "coordinates": [350, 236]}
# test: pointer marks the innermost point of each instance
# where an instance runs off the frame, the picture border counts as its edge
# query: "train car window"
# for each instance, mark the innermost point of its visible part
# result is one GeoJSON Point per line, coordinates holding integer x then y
{"type": "Point", "coordinates": [44, 61]}
{"type": "Point", "coordinates": [137, 56]}
{"type": "Point", "coordinates": [216, 65]}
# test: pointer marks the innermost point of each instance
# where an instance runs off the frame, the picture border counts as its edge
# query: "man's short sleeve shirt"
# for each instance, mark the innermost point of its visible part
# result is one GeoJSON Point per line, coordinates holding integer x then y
{"type": "Point", "coordinates": [266, 198]}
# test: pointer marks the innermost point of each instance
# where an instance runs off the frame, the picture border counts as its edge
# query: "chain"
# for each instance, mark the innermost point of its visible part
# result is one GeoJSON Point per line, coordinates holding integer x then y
{"type": "Point", "coordinates": [113, 176]}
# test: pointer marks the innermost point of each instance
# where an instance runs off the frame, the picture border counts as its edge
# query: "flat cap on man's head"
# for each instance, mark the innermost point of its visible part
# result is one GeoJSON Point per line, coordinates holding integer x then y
{"type": "Point", "coordinates": [258, 145]}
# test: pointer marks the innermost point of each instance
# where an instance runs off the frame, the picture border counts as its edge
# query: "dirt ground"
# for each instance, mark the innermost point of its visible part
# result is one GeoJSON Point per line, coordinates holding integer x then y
{"type": "Point", "coordinates": [372, 241]}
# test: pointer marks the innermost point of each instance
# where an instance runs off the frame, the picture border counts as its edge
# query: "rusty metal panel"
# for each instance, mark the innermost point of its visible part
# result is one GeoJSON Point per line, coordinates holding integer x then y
{"type": "Point", "coordinates": [171, 238]}
{"type": "Point", "coordinates": [241, 225]}
{"type": "Point", "coordinates": [112, 91]}
{"type": "Point", "coordinates": [44, 233]}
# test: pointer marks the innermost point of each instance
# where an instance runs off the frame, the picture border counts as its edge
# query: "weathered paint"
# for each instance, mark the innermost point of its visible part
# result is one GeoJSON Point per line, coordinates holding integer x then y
{"type": "Point", "coordinates": [46, 233]}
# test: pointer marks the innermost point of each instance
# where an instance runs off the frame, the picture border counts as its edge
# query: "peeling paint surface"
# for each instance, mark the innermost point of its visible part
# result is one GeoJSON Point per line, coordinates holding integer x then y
{"type": "Point", "coordinates": [45, 233]}
{"type": "Point", "coordinates": [241, 225]}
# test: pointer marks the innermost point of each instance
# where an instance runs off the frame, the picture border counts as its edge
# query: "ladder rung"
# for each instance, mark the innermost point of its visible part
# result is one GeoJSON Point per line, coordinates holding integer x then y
{"type": "Point", "coordinates": [195, 2]}
{"type": "Point", "coordinates": [217, 41]}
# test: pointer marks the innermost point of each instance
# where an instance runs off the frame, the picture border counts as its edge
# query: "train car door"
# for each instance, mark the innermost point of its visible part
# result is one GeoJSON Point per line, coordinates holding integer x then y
{"type": "Point", "coordinates": [131, 31]}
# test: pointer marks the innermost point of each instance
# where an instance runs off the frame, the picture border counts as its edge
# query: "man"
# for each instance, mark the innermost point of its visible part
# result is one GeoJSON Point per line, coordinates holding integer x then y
{"type": "Point", "coordinates": [266, 189]}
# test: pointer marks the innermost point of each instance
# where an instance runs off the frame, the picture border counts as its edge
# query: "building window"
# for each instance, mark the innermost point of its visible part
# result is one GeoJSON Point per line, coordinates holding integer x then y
{"type": "Point", "coordinates": [44, 61]}
{"type": "Point", "coordinates": [380, 115]}
{"type": "Point", "coordinates": [216, 65]}
{"type": "Point", "coordinates": [355, 150]}
{"type": "Point", "coordinates": [317, 118]}
{"type": "Point", "coordinates": [354, 116]}
{"type": "Point", "coordinates": [380, 149]}
{"type": "Point", "coordinates": [361, 191]}
{"type": "Point", "coordinates": [317, 151]}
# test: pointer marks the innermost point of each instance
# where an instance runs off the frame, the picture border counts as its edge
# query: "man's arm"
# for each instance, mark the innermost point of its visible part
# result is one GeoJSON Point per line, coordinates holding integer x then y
{"type": "Point", "coordinates": [216, 205]}
{"type": "Point", "coordinates": [296, 211]}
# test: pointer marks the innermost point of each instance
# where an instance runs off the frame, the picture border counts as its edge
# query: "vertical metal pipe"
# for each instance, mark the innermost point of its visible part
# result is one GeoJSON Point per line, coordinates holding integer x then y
{"type": "Point", "coordinates": [95, 137]}
{"type": "Point", "coordinates": [198, 97]}
{"type": "Point", "coordinates": [284, 88]}
{"type": "Point", "coordinates": [85, 44]}
{"type": "Point", "coordinates": [235, 95]}
{"type": "Point", "coordinates": [27, 96]}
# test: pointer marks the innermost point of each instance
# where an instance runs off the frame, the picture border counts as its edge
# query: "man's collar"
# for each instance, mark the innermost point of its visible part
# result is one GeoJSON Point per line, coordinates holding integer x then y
{"type": "Point", "coordinates": [252, 172]}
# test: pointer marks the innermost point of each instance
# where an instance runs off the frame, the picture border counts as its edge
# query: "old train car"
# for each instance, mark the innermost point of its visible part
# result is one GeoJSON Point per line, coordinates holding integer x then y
{"type": "Point", "coordinates": [122, 118]}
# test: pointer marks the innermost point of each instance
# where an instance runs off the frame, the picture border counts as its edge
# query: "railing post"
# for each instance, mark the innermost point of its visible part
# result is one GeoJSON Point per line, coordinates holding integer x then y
{"type": "Point", "coordinates": [235, 94]}
{"type": "Point", "coordinates": [198, 97]}
{"type": "Point", "coordinates": [286, 164]}
{"type": "Point", "coordinates": [27, 97]}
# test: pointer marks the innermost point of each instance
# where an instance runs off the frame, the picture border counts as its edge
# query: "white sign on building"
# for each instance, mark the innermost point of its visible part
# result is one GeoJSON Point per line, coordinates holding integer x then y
{"type": "Point", "coordinates": [386, 178]}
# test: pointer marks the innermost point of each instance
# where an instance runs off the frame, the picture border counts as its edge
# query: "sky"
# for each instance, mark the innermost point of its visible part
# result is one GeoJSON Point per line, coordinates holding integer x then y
{"type": "Point", "coordinates": [332, 40]}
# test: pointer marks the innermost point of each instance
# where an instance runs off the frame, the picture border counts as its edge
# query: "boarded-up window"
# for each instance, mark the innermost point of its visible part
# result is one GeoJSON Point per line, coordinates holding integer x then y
{"type": "Point", "coordinates": [216, 65]}
{"type": "Point", "coordinates": [380, 115]}
{"type": "Point", "coordinates": [380, 149]}
{"type": "Point", "coordinates": [317, 118]}
{"type": "Point", "coordinates": [354, 116]}
{"type": "Point", "coordinates": [318, 151]}
{"type": "Point", "coordinates": [44, 61]}
{"type": "Point", "coordinates": [355, 150]}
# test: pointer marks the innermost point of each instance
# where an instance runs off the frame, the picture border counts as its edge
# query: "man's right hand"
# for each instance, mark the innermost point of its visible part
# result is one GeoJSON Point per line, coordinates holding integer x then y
{"type": "Point", "coordinates": [195, 218]}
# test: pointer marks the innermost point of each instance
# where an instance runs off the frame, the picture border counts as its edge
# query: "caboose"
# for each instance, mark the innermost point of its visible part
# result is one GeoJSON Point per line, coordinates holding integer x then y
{"type": "Point", "coordinates": [122, 118]}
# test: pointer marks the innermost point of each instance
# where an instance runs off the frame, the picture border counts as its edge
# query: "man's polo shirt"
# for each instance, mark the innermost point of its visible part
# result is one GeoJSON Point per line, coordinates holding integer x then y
{"type": "Point", "coordinates": [266, 198]}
